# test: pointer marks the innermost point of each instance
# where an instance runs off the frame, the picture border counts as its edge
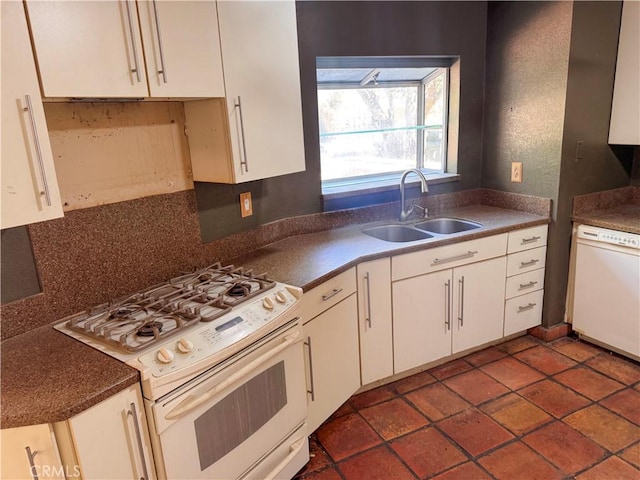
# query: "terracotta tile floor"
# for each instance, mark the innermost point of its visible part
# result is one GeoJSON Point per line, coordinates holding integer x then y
{"type": "Point", "coordinates": [521, 410]}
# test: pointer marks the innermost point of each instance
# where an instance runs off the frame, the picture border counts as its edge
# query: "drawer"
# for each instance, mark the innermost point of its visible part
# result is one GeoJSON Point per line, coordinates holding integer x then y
{"type": "Point", "coordinates": [441, 258]}
{"type": "Point", "coordinates": [526, 261]}
{"type": "Point", "coordinates": [527, 238]}
{"type": "Point", "coordinates": [523, 312]}
{"type": "Point", "coordinates": [325, 296]}
{"type": "Point", "coordinates": [525, 283]}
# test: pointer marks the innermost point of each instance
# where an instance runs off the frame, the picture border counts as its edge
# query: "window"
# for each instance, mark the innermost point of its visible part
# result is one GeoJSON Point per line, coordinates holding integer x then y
{"type": "Point", "coordinates": [380, 116]}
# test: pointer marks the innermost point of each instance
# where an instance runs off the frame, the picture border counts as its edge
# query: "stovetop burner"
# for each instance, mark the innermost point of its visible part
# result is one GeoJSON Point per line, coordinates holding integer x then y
{"type": "Point", "coordinates": [135, 322]}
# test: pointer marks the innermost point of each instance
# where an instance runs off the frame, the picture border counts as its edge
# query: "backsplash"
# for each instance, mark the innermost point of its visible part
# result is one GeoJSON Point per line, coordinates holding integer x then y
{"type": "Point", "coordinates": [97, 254]}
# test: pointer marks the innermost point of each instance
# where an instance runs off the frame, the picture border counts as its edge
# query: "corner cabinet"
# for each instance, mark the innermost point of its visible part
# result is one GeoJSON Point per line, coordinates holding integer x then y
{"type": "Point", "coordinates": [29, 186]}
{"type": "Point", "coordinates": [374, 320]}
{"type": "Point", "coordinates": [100, 49]}
{"type": "Point", "coordinates": [329, 314]}
{"type": "Point", "coordinates": [109, 440]}
{"type": "Point", "coordinates": [31, 452]}
{"type": "Point", "coordinates": [256, 131]}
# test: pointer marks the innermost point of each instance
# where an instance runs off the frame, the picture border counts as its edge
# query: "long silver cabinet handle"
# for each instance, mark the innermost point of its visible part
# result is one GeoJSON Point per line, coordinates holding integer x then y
{"type": "Point", "coordinates": [447, 307]}
{"type": "Point", "coordinates": [462, 256]}
{"type": "Point", "coordinates": [32, 466]}
{"type": "Point", "coordinates": [132, 411]}
{"type": "Point", "coordinates": [524, 241]}
{"type": "Point", "coordinates": [524, 286]}
{"type": "Point", "coordinates": [245, 160]}
{"type": "Point", "coordinates": [526, 307]}
{"type": "Point", "coordinates": [163, 67]}
{"type": "Point", "coordinates": [36, 143]}
{"type": "Point", "coordinates": [333, 293]}
{"type": "Point", "coordinates": [312, 391]}
{"type": "Point", "coordinates": [529, 263]}
{"type": "Point", "coordinates": [192, 402]}
{"type": "Point", "coordinates": [136, 64]}
{"type": "Point", "coordinates": [461, 316]}
{"type": "Point", "coordinates": [368, 317]}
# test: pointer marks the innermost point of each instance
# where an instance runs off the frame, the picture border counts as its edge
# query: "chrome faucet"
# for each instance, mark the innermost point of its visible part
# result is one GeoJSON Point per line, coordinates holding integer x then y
{"type": "Point", "coordinates": [404, 214]}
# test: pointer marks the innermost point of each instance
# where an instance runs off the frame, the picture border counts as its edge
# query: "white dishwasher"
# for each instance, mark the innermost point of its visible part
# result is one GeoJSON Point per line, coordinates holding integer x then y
{"type": "Point", "coordinates": [606, 306]}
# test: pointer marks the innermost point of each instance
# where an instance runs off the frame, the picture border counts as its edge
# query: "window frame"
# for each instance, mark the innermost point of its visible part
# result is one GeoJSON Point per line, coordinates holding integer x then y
{"type": "Point", "coordinates": [443, 65]}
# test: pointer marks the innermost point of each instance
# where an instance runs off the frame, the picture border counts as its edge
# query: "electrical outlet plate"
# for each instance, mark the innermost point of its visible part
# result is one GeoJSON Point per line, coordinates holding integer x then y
{"type": "Point", "coordinates": [246, 206]}
{"type": "Point", "coordinates": [516, 172]}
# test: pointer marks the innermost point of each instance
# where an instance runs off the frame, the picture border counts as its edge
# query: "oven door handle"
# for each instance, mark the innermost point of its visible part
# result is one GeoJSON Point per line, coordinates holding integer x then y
{"type": "Point", "coordinates": [192, 402]}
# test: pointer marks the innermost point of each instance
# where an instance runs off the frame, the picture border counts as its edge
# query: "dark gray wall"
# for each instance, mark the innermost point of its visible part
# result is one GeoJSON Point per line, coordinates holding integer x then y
{"type": "Point", "coordinates": [19, 277]}
{"type": "Point", "coordinates": [327, 28]}
{"type": "Point", "coordinates": [550, 68]}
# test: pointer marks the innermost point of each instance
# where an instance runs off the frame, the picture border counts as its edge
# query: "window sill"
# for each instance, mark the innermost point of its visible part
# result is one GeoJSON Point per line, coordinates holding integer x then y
{"type": "Point", "coordinates": [345, 189]}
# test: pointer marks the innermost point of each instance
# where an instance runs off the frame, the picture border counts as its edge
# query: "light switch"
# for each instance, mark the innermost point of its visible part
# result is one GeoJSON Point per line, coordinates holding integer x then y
{"type": "Point", "coordinates": [246, 207]}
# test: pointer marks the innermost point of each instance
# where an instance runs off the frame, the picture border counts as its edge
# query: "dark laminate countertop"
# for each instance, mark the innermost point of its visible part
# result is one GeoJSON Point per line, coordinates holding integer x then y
{"type": "Point", "coordinates": [617, 209]}
{"type": "Point", "coordinates": [309, 260]}
{"type": "Point", "coordinates": [625, 218]}
{"type": "Point", "coordinates": [49, 377]}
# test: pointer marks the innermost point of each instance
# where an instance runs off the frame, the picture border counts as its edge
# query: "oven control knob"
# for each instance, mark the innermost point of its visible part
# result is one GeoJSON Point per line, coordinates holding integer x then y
{"type": "Point", "coordinates": [281, 297]}
{"type": "Point", "coordinates": [267, 303]}
{"type": "Point", "coordinates": [184, 345]}
{"type": "Point", "coordinates": [164, 356]}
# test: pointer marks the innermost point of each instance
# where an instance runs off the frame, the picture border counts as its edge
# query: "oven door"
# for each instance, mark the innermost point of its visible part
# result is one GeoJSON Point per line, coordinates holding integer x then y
{"type": "Point", "coordinates": [242, 420]}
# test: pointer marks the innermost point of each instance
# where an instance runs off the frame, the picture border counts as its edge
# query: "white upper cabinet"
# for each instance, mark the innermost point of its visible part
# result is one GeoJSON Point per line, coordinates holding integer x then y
{"type": "Point", "coordinates": [625, 111]}
{"type": "Point", "coordinates": [96, 49]}
{"type": "Point", "coordinates": [257, 133]}
{"type": "Point", "coordinates": [29, 185]}
{"type": "Point", "coordinates": [182, 48]}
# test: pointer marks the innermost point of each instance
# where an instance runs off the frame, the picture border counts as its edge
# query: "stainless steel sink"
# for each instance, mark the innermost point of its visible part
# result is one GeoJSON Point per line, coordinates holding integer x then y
{"type": "Point", "coordinates": [397, 233]}
{"type": "Point", "coordinates": [447, 225]}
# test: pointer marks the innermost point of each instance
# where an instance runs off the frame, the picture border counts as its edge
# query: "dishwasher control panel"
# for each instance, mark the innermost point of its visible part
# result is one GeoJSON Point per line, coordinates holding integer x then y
{"type": "Point", "coordinates": [613, 237]}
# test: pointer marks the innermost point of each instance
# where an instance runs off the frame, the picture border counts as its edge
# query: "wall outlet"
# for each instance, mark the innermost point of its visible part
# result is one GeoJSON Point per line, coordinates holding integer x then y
{"type": "Point", "coordinates": [246, 207]}
{"type": "Point", "coordinates": [516, 172]}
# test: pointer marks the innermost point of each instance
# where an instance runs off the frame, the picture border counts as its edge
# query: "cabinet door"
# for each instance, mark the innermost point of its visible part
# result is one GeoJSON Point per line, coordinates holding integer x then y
{"type": "Point", "coordinates": [29, 186]}
{"type": "Point", "coordinates": [262, 78]}
{"type": "Point", "coordinates": [478, 303]}
{"type": "Point", "coordinates": [333, 365]}
{"type": "Point", "coordinates": [112, 439]}
{"type": "Point", "coordinates": [421, 319]}
{"type": "Point", "coordinates": [30, 452]}
{"type": "Point", "coordinates": [182, 48]}
{"type": "Point", "coordinates": [88, 49]}
{"type": "Point", "coordinates": [374, 320]}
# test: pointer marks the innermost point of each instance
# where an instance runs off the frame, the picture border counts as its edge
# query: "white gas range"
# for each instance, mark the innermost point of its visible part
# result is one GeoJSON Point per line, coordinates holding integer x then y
{"type": "Point", "coordinates": [219, 353]}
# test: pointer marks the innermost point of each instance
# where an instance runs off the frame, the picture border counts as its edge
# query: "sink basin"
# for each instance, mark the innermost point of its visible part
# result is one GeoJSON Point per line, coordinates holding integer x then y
{"type": "Point", "coordinates": [396, 233]}
{"type": "Point", "coordinates": [447, 225]}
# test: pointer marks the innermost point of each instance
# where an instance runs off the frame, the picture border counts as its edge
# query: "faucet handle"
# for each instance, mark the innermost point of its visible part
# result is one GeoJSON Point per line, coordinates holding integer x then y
{"type": "Point", "coordinates": [424, 210]}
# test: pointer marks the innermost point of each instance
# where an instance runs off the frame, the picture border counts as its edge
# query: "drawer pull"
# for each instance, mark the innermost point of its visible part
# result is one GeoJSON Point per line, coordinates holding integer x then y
{"type": "Point", "coordinates": [529, 263]}
{"type": "Point", "coordinates": [526, 307]}
{"type": "Point", "coordinates": [333, 293]}
{"type": "Point", "coordinates": [439, 261]}
{"type": "Point", "coordinates": [527, 285]}
{"type": "Point", "coordinates": [524, 241]}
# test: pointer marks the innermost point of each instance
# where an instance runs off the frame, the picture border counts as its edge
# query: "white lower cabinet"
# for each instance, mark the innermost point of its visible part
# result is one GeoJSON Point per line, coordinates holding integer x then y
{"type": "Point", "coordinates": [109, 440]}
{"type": "Point", "coordinates": [375, 320]}
{"type": "Point", "coordinates": [448, 311]}
{"type": "Point", "coordinates": [31, 452]}
{"type": "Point", "coordinates": [330, 313]}
{"type": "Point", "coordinates": [524, 290]}
{"type": "Point", "coordinates": [333, 360]}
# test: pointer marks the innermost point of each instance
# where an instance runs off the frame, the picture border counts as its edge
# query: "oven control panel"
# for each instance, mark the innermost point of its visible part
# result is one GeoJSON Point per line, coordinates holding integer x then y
{"type": "Point", "coordinates": [221, 335]}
